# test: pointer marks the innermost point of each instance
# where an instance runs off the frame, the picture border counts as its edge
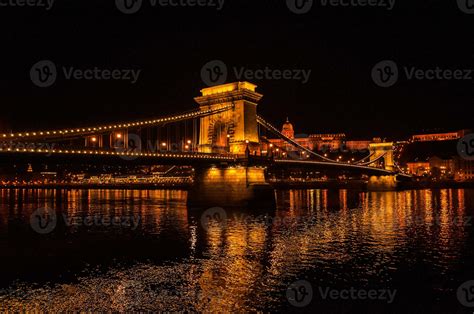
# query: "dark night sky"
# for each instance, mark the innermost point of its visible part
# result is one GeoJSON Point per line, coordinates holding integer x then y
{"type": "Point", "coordinates": [170, 45]}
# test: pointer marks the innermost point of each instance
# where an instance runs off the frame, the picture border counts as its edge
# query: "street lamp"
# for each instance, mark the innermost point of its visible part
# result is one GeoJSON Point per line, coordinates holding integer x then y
{"type": "Point", "coordinates": [247, 150]}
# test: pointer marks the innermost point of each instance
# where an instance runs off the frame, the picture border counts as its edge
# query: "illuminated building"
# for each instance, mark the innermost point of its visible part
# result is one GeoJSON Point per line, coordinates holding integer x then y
{"type": "Point", "coordinates": [318, 142]}
{"type": "Point", "coordinates": [418, 168]}
{"type": "Point", "coordinates": [453, 167]}
{"type": "Point", "coordinates": [464, 169]}
{"type": "Point", "coordinates": [440, 136]}
{"type": "Point", "coordinates": [288, 130]}
{"type": "Point", "coordinates": [442, 166]}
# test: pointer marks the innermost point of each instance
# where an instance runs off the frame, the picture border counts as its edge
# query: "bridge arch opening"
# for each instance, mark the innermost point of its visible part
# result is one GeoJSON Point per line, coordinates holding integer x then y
{"type": "Point", "coordinates": [220, 139]}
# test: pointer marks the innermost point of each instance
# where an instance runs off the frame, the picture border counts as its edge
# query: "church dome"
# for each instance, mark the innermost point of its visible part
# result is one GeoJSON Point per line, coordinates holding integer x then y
{"type": "Point", "coordinates": [287, 129]}
{"type": "Point", "coordinates": [287, 126]}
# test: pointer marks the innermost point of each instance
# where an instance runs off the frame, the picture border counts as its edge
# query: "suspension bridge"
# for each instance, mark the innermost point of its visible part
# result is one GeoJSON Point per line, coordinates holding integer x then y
{"type": "Point", "coordinates": [221, 138]}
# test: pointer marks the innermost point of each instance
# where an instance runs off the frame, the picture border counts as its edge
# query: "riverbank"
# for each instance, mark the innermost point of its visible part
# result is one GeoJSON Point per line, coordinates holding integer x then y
{"type": "Point", "coordinates": [362, 185]}
{"type": "Point", "coordinates": [348, 185]}
{"type": "Point", "coordinates": [125, 186]}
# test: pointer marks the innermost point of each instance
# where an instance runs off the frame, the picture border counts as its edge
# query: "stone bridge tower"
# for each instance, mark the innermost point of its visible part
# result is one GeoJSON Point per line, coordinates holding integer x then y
{"type": "Point", "coordinates": [234, 130]}
{"type": "Point", "coordinates": [383, 149]}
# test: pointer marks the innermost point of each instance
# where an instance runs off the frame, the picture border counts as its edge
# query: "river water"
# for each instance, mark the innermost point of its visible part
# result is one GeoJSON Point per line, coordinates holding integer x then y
{"type": "Point", "coordinates": [318, 250]}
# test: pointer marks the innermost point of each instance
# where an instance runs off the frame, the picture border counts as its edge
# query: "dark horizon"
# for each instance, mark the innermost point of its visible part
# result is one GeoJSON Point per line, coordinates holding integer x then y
{"type": "Point", "coordinates": [170, 45]}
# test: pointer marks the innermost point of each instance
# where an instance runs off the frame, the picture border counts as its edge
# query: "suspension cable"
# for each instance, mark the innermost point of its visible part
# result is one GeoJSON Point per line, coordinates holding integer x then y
{"type": "Point", "coordinates": [372, 161]}
{"type": "Point", "coordinates": [84, 131]}
{"type": "Point", "coordinates": [362, 160]}
{"type": "Point", "coordinates": [274, 130]}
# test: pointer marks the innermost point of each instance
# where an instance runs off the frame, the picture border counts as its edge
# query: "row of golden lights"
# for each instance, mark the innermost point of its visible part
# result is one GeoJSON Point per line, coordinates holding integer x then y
{"type": "Point", "coordinates": [305, 154]}
{"type": "Point", "coordinates": [117, 126]}
{"type": "Point", "coordinates": [119, 136]}
{"type": "Point", "coordinates": [96, 152]}
{"type": "Point", "coordinates": [276, 149]}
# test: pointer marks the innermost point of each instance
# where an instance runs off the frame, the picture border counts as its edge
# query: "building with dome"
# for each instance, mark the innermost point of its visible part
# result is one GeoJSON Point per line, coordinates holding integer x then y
{"type": "Point", "coordinates": [288, 130]}
{"type": "Point", "coordinates": [318, 142]}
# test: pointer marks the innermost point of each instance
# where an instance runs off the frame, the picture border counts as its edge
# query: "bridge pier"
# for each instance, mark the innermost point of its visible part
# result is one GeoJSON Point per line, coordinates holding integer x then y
{"type": "Point", "coordinates": [231, 187]}
{"type": "Point", "coordinates": [382, 183]}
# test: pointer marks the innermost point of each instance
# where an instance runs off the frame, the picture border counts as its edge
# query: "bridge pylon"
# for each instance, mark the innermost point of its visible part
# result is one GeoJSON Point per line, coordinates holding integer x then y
{"type": "Point", "coordinates": [383, 153]}
{"type": "Point", "coordinates": [232, 131]}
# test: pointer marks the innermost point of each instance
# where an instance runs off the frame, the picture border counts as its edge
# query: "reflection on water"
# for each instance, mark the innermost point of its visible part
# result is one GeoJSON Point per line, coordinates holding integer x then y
{"type": "Point", "coordinates": [418, 242]}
